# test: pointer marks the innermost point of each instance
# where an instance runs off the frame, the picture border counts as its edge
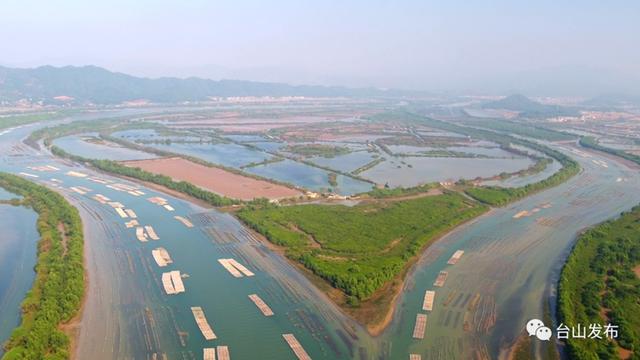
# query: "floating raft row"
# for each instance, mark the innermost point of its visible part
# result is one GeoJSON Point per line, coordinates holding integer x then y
{"type": "Point", "coordinates": [56, 180]}
{"type": "Point", "coordinates": [203, 324]}
{"type": "Point", "coordinates": [151, 232]}
{"type": "Point", "coordinates": [235, 268]}
{"type": "Point", "coordinates": [266, 310]}
{"type": "Point", "coordinates": [80, 189]}
{"type": "Point", "coordinates": [241, 267]}
{"type": "Point", "coordinates": [429, 296]}
{"type": "Point", "coordinates": [421, 325]}
{"type": "Point", "coordinates": [98, 180]}
{"type": "Point", "coordinates": [161, 256]}
{"type": "Point", "coordinates": [77, 174]}
{"type": "Point", "coordinates": [185, 221]}
{"type": "Point", "coordinates": [132, 223]}
{"type": "Point", "coordinates": [411, 357]}
{"type": "Point", "coordinates": [158, 200]}
{"type": "Point", "coordinates": [161, 202]}
{"type": "Point", "coordinates": [442, 277]}
{"type": "Point", "coordinates": [232, 270]}
{"type": "Point", "coordinates": [29, 175]}
{"type": "Point", "coordinates": [132, 214]}
{"type": "Point", "coordinates": [523, 213]}
{"type": "Point", "coordinates": [115, 204]}
{"type": "Point", "coordinates": [121, 212]}
{"type": "Point", "coordinates": [455, 257]}
{"type": "Point", "coordinates": [101, 198]}
{"type": "Point", "coordinates": [601, 163]}
{"type": "Point", "coordinates": [168, 284]}
{"type": "Point", "coordinates": [296, 347]}
{"type": "Point", "coordinates": [140, 234]}
{"type": "Point", "coordinates": [223, 353]}
{"type": "Point", "coordinates": [75, 189]}
{"type": "Point", "coordinates": [209, 354]}
{"type": "Point", "coordinates": [126, 188]}
{"type": "Point", "coordinates": [43, 168]}
{"type": "Point", "coordinates": [176, 278]}
{"type": "Point", "coordinates": [172, 282]}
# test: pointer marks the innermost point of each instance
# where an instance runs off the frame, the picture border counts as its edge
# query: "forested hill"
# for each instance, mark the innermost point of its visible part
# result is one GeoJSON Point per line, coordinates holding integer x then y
{"type": "Point", "coordinates": [91, 84]}
{"type": "Point", "coordinates": [528, 107]}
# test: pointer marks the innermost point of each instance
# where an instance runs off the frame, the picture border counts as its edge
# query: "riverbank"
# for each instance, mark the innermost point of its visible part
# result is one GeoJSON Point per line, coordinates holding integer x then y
{"type": "Point", "coordinates": [377, 312]}
{"type": "Point", "coordinates": [360, 255]}
{"type": "Point", "coordinates": [18, 255]}
{"type": "Point", "coordinates": [598, 285]}
{"type": "Point", "coordinates": [58, 289]}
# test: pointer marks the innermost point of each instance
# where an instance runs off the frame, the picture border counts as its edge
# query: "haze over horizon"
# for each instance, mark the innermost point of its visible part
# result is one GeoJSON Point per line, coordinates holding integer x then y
{"type": "Point", "coordinates": [544, 48]}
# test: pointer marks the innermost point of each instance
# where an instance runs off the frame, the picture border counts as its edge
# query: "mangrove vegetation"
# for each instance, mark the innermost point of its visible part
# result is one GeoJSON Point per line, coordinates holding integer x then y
{"type": "Point", "coordinates": [57, 291]}
{"type": "Point", "coordinates": [358, 249]}
{"type": "Point", "coordinates": [600, 284]}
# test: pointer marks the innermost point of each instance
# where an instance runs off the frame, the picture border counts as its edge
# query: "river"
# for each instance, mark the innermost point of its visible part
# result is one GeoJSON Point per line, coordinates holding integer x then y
{"type": "Point", "coordinates": [18, 240]}
{"type": "Point", "coordinates": [506, 275]}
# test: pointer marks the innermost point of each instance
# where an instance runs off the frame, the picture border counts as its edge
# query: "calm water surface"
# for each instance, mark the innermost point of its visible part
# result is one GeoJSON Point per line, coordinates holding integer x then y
{"type": "Point", "coordinates": [18, 239]}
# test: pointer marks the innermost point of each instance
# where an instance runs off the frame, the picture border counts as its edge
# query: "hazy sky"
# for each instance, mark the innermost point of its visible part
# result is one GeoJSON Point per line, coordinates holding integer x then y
{"type": "Point", "coordinates": [447, 44]}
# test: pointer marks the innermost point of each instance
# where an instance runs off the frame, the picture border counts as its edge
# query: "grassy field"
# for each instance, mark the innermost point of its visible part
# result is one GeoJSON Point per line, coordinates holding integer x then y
{"type": "Point", "coordinates": [358, 249]}
{"type": "Point", "coordinates": [598, 285]}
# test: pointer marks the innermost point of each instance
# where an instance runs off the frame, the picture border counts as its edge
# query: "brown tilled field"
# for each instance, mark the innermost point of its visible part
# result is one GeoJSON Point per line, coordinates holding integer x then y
{"type": "Point", "coordinates": [217, 180]}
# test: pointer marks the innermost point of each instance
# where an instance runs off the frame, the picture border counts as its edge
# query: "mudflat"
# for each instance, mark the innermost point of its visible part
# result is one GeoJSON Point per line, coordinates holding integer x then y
{"type": "Point", "coordinates": [215, 179]}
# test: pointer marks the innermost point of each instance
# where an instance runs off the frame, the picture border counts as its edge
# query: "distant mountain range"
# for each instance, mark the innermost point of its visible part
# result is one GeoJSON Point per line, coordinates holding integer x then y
{"type": "Point", "coordinates": [528, 108]}
{"type": "Point", "coordinates": [92, 84]}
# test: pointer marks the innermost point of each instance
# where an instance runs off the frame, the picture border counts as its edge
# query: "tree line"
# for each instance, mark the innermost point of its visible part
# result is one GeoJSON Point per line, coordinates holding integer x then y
{"type": "Point", "coordinates": [115, 167]}
{"type": "Point", "coordinates": [58, 288]}
{"type": "Point", "coordinates": [591, 142]}
{"type": "Point", "coordinates": [598, 285]}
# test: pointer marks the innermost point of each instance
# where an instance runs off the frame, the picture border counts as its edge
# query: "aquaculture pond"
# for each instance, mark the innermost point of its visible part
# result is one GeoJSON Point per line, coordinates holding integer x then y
{"type": "Point", "coordinates": [437, 133]}
{"type": "Point", "coordinates": [510, 267]}
{"type": "Point", "coordinates": [232, 155]}
{"type": "Point", "coordinates": [246, 138]}
{"type": "Point", "coordinates": [506, 275]}
{"type": "Point", "coordinates": [90, 146]}
{"type": "Point", "coordinates": [5, 195]}
{"type": "Point", "coordinates": [18, 247]}
{"type": "Point", "coordinates": [469, 151]}
{"type": "Point", "coordinates": [620, 144]}
{"type": "Point", "coordinates": [358, 138]}
{"type": "Point", "coordinates": [146, 135]}
{"type": "Point", "coordinates": [269, 145]}
{"type": "Point", "coordinates": [411, 171]}
{"type": "Point", "coordinates": [515, 181]}
{"type": "Point", "coordinates": [309, 177]}
{"type": "Point", "coordinates": [347, 163]}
